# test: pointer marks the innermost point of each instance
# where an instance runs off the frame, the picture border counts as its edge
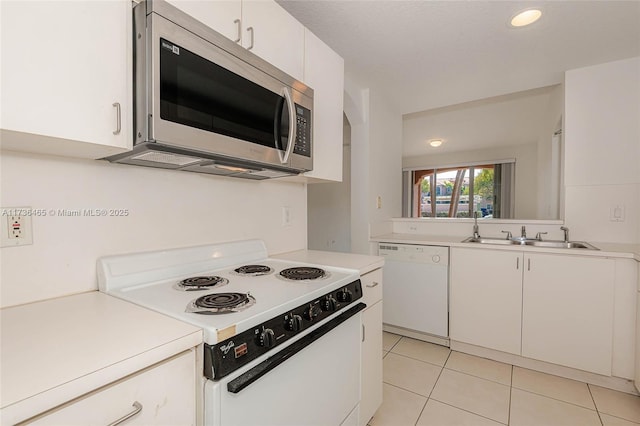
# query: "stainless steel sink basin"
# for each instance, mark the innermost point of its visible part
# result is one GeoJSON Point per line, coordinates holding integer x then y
{"type": "Point", "coordinates": [498, 241]}
{"type": "Point", "coordinates": [562, 244]}
{"type": "Point", "coordinates": [532, 242]}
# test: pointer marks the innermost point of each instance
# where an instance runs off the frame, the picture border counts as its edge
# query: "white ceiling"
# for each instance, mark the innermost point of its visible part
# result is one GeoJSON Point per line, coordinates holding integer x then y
{"type": "Point", "coordinates": [429, 54]}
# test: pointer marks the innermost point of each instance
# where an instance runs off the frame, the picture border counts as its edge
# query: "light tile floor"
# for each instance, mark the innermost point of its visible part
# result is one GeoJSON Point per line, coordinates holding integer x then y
{"type": "Point", "coordinates": [428, 385]}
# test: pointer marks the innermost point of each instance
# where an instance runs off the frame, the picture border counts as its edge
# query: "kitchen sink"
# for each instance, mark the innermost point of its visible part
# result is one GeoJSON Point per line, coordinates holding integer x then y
{"type": "Point", "coordinates": [498, 241]}
{"type": "Point", "coordinates": [531, 242]}
{"type": "Point", "coordinates": [562, 244]}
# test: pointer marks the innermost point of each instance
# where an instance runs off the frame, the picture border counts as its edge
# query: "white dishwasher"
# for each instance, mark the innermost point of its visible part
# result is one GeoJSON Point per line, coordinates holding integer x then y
{"type": "Point", "coordinates": [416, 291]}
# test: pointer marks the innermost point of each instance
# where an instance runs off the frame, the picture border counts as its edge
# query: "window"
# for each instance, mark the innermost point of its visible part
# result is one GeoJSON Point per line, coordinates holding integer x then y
{"type": "Point", "coordinates": [460, 191]}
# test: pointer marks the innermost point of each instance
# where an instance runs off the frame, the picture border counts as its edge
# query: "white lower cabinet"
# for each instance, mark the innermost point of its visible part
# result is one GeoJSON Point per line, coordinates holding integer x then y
{"type": "Point", "coordinates": [162, 394]}
{"type": "Point", "coordinates": [486, 298]}
{"type": "Point", "coordinates": [549, 307]}
{"type": "Point", "coordinates": [371, 373]}
{"type": "Point", "coordinates": [567, 311]}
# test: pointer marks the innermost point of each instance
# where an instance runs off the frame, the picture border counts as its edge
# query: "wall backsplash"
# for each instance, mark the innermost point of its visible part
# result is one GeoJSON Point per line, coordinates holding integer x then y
{"type": "Point", "coordinates": [165, 209]}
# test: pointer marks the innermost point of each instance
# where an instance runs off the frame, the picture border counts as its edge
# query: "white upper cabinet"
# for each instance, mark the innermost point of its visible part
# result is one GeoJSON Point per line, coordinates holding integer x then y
{"type": "Point", "coordinates": [263, 27]}
{"type": "Point", "coordinates": [324, 72]}
{"type": "Point", "coordinates": [66, 77]}
{"type": "Point", "coordinates": [221, 15]}
{"type": "Point", "coordinates": [277, 37]}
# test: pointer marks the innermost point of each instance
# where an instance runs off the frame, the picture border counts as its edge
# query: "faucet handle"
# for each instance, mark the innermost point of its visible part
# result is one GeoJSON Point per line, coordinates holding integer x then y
{"type": "Point", "coordinates": [539, 235]}
{"type": "Point", "coordinates": [509, 236]}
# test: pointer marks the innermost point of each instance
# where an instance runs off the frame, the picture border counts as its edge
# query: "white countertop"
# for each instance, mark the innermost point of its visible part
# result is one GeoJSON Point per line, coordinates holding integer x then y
{"type": "Point", "coordinates": [630, 251]}
{"type": "Point", "coordinates": [56, 350]}
{"type": "Point", "coordinates": [361, 262]}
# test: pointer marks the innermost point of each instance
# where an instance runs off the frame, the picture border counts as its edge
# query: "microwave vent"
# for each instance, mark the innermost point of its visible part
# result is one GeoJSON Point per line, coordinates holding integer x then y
{"type": "Point", "coordinates": [166, 158]}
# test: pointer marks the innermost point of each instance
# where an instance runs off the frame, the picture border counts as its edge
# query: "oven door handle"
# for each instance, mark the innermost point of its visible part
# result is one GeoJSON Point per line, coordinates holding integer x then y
{"type": "Point", "coordinates": [247, 378]}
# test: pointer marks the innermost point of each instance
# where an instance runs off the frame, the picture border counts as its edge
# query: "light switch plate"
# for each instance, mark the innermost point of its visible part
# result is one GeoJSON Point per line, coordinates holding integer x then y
{"type": "Point", "coordinates": [616, 213]}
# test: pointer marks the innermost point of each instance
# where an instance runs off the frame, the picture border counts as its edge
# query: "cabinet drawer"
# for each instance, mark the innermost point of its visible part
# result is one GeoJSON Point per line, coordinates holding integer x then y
{"type": "Point", "coordinates": [165, 392]}
{"type": "Point", "coordinates": [372, 287]}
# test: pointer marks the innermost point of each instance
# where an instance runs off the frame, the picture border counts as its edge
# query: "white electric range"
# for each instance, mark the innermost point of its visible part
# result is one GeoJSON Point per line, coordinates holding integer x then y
{"type": "Point", "coordinates": [281, 339]}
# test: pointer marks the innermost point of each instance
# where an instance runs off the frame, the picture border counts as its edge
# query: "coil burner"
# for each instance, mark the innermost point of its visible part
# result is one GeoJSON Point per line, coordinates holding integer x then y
{"type": "Point", "coordinates": [201, 283]}
{"type": "Point", "coordinates": [301, 273]}
{"type": "Point", "coordinates": [221, 303]}
{"type": "Point", "coordinates": [253, 270]}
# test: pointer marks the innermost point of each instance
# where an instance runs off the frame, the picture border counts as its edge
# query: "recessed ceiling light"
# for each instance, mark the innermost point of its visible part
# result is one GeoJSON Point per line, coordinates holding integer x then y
{"type": "Point", "coordinates": [526, 17]}
{"type": "Point", "coordinates": [435, 142]}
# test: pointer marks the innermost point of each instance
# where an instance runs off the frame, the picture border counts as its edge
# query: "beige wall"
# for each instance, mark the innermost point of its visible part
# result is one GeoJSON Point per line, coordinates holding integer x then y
{"type": "Point", "coordinates": [602, 147]}
{"type": "Point", "coordinates": [166, 209]}
{"type": "Point", "coordinates": [329, 207]}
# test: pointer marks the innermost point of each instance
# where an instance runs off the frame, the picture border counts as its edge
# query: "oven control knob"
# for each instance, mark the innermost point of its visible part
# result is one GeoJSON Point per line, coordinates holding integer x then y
{"type": "Point", "coordinates": [345, 295]}
{"type": "Point", "coordinates": [311, 312]}
{"type": "Point", "coordinates": [267, 338]}
{"type": "Point", "coordinates": [293, 323]}
{"type": "Point", "coordinates": [328, 304]}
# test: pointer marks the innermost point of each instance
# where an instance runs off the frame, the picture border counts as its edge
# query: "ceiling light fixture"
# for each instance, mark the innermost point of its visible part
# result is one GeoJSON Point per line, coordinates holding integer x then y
{"type": "Point", "coordinates": [435, 142]}
{"type": "Point", "coordinates": [526, 17]}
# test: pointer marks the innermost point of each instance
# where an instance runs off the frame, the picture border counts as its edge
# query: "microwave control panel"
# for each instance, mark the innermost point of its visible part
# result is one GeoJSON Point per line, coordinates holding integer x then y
{"type": "Point", "coordinates": [303, 136]}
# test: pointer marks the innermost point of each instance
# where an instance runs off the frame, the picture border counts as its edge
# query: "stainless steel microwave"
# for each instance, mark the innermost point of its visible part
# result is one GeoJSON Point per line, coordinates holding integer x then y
{"type": "Point", "coordinates": [205, 104]}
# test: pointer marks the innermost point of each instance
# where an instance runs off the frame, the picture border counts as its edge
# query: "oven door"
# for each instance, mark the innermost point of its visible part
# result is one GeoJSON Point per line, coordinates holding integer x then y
{"type": "Point", "coordinates": [202, 97]}
{"type": "Point", "coordinates": [317, 385]}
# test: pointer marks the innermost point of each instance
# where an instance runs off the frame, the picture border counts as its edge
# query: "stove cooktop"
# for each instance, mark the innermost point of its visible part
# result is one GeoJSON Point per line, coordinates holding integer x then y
{"type": "Point", "coordinates": [151, 279]}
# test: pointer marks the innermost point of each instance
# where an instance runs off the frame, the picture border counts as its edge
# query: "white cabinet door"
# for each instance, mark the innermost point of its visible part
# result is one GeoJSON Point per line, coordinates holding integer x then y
{"type": "Point", "coordinates": [271, 33]}
{"type": "Point", "coordinates": [66, 77]}
{"type": "Point", "coordinates": [324, 72]}
{"type": "Point", "coordinates": [486, 298]}
{"type": "Point", "coordinates": [567, 311]}
{"type": "Point", "coordinates": [166, 394]}
{"type": "Point", "coordinates": [371, 381]}
{"type": "Point", "coordinates": [371, 378]}
{"type": "Point", "coordinates": [221, 15]}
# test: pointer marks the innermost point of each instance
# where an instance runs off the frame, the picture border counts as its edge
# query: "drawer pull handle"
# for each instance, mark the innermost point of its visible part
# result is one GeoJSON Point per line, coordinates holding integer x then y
{"type": "Point", "coordinates": [118, 118]}
{"type": "Point", "coordinates": [250, 30]}
{"type": "Point", "coordinates": [239, 26]}
{"type": "Point", "coordinates": [375, 284]}
{"type": "Point", "coordinates": [137, 407]}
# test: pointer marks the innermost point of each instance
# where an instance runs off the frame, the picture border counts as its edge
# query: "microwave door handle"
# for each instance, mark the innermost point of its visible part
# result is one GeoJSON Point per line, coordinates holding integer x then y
{"type": "Point", "coordinates": [293, 128]}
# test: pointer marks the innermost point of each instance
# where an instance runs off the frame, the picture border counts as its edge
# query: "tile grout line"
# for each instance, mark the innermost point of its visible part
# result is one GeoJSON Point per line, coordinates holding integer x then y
{"type": "Point", "coordinates": [434, 386]}
{"type": "Point", "coordinates": [510, 397]}
{"type": "Point", "coordinates": [419, 360]}
{"type": "Point", "coordinates": [470, 412]}
{"type": "Point", "coordinates": [594, 404]}
{"type": "Point", "coordinates": [556, 399]}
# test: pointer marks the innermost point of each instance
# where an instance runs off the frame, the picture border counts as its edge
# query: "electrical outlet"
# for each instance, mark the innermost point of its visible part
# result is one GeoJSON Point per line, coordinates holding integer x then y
{"type": "Point", "coordinates": [378, 202]}
{"type": "Point", "coordinates": [16, 227]}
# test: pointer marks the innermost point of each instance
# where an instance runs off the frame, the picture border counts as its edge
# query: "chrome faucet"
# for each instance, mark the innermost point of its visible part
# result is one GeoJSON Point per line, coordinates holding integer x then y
{"type": "Point", "coordinates": [566, 233]}
{"type": "Point", "coordinates": [524, 232]}
{"type": "Point", "coordinates": [475, 225]}
{"type": "Point", "coordinates": [539, 235]}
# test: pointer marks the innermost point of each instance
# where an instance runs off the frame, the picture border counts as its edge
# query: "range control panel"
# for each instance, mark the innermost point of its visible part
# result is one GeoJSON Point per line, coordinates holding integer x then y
{"type": "Point", "coordinates": [227, 356]}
